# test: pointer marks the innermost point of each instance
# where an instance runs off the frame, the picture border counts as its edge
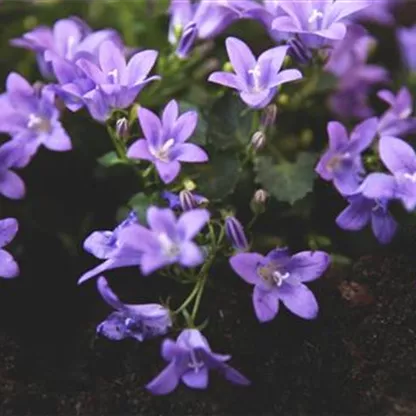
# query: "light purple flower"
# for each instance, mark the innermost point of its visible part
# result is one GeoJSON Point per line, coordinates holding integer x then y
{"type": "Point", "coordinates": [165, 143]}
{"type": "Point", "coordinates": [11, 185]}
{"type": "Point", "coordinates": [68, 39]}
{"type": "Point", "coordinates": [190, 358]}
{"type": "Point", "coordinates": [407, 40]}
{"type": "Point", "coordinates": [175, 202]}
{"type": "Point", "coordinates": [8, 230]}
{"type": "Point", "coordinates": [106, 245]}
{"type": "Point", "coordinates": [168, 240]}
{"type": "Point", "coordinates": [341, 163]}
{"type": "Point", "coordinates": [356, 77]}
{"type": "Point", "coordinates": [400, 159]}
{"type": "Point", "coordinates": [380, 11]}
{"type": "Point", "coordinates": [280, 277]}
{"type": "Point", "coordinates": [117, 83]}
{"type": "Point", "coordinates": [317, 22]}
{"type": "Point", "coordinates": [362, 210]}
{"type": "Point", "coordinates": [32, 118]}
{"type": "Point", "coordinates": [397, 120]}
{"type": "Point", "coordinates": [131, 321]}
{"type": "Point", "coordinates": [256, 80]}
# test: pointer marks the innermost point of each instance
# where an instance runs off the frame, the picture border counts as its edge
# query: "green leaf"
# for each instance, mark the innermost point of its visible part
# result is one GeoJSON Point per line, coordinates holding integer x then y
{"type": "Point", "coordinates": [287, 182]}
{"type": "Point", "coordinates": [200, 133]}
{"type": "Point", "coordinates": [229, 123]}
{"type": "Point", "coordinates": [220, 176]}
{"type": "Point", "coordinates": [110, 159]}
{"type": "Point", "coordinates": [140, 203]}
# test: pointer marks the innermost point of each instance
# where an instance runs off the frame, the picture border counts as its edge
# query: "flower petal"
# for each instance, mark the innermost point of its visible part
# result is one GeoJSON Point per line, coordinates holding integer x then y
{"type": "Point", "coordinates": [107, 294]}
{"type": "Point", "coordinates": [191, 223]}
{"type": "Point", "coordinates": [246, 264]}
{"type": "Point", "coordinates": [140, 150]}
{"type": "Point", "coordinates": [225, 78]}
{"type": "Point", "coordinates": [397, 155]}
{"type": "Point", "coordinates": [196, 379]}
{"type": "Point", "coordinates": [58, 140]}
{"type": "Point", "coordinates": [384, 226]}
{"type": "Point", "coordinates": [363, 135]}
{"type": "Point", "coordinates": [165, 382]}
{"type": "Point", "coordinates": [356, 215]}
{"type": "Point", "coordinates": [140, 65]}
{"type": "Point", "coordinates": [11, 186]}
{"type": "Point", "coordinates": [151, 126]}
{"type": "Point", "coordinates": [338, 135]}
{"type": "Point", "coordinates": [170, 114]}
{"type": "Point", "coordinates": [241, 57]}
{"type": "Point", "coordinates": [266, 304]}
{"type": "Point", "coordinates": [111, 59]}
{"type": "Point", "coordinates": [308, 265]}
{"type": "Point", "coordinates": [162, 220]}
{"type": "Point", "coordinates": [8, 266]}
{"type": "Point", "coordinates": [378, 185]}
{"type": "Point", "coordinates": [168, 171]}
{"type": "Point", "coordinates": [299, 300]}
{"type": "Point", "coordinates": [287, 75]}
{"type": "Point", "coordinates": [151, 262]}
{"type": "Point", "coordinates": [191, 255]}
{"type": "Point", "coordinates": [185, 126]}
{"type": "Point", "coordinates": [8, 230]}
{"type": "Point", "coordinates": [189, 152]}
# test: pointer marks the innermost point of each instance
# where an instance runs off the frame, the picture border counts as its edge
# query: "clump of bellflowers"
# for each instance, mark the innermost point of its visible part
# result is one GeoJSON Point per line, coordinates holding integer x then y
{"type": "Point", "coordinates": [256, 80]}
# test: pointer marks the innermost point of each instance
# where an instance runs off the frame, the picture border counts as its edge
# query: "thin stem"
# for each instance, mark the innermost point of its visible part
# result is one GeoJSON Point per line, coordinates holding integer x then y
{"type": "Point", "coordinates": [188, 300]}
{"type": "Point", "coordinates": [119, 148]}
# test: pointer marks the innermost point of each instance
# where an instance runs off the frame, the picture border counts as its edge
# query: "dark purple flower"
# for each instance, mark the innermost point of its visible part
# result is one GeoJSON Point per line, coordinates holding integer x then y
{"type": "Point", "coordinates": [32, 118]}
{"type": "Point", "coordinates": [187, 40]}
{"type": "Point", "coordinates": [131, 321]}
{"type": "Point", "coordinates": [362, 210]}
{"type": "Point", "coordinates": [116, 82]}
{"type": "Point", "coordinates": [165, 140]}
{"type": "Point", "coordinates": [168, 240]}
{"type": "Point", "coordinates": [316, 22]}
{"type": "Point", "coordinates": [397, 120]}
{"type": "Point", "coordinates": [235, 233]}
{"type": "Point", "coordinates": [68, 39]}
{"type": "Point", "coordinates": [407, 38]}
{"type": "Point", "coordinates": [11, 185]}
{"type": "Point", "coordinates": [8, 230]}
{"type": "Point", "coordinates": [400, 159]}
{"type": "Point", "coordinates": [280, 277]}
{"type": "Point", "coordinates": [341, 163]}
{"type": "Point", "coordinates": [175, 201]}
{"type": "Point", "coordinates": [190, 358]}
{"type": "Point", "coordinates": [106, 245]}
{"type": "Point", "coordinates": [256, 80]}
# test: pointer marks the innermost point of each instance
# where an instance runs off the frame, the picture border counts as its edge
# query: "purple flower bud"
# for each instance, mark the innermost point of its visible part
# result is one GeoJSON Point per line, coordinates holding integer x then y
{"type": "Point", "coordinates": [268, 116]}
{"type": "Point", "coordinates": [299, 51]}
{"type": "Point", "coordinates": [187, 40]}
{"type": "Point", "coordinates": [235, 233]}
{"type": "Point", "coordinates": [258, 140]}
{"type": "Point", "coordinates": [122, 128]}
{"type": "Point", "coordinates": [187, 200]}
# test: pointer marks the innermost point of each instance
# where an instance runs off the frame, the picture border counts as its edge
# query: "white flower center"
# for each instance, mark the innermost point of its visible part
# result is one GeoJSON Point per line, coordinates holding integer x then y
{"type": "Point", "coordinates": [38, 124]}
{"type": "Point", "coordinates": [271, 275]}
{"type": "Point", "coordinates": [410, 177]}
{"type": "Point", "coordinates": [69, 46]}
{"type": "Point", "coordinates": [113, 75]}
{"type": "Point", "coordinates": [255, 73]}
{"type": "Point", "coordinates": [405, 113]}
{"type": "Point", "coordinates": [163, 152]}
{"type": "Point", "coordinates": [279, 277]}
{"type": "Point", "coordinates": [315, 15]}
{"type": "Point", "coordinates": [169, 248]}
{"type": "Point", "coordinates": [335, 161]}
{"type": "Point", "coordinates": [194, 363]}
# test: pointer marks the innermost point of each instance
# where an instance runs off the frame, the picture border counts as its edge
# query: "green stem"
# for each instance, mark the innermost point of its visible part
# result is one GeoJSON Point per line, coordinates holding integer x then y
{"type": "Point", "coordinates": [188, 300]}
{"type": "Point", "coordinates": [119, 148]}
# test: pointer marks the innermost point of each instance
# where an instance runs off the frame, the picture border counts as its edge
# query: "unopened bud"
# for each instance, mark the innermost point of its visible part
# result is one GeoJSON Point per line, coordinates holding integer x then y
{"type": "Point", "coordinates": [268, 116]}
{"type": "Point", "coordinates": [235, 233]}
{"type": "Point", "coordinates": [187, 200]}
{"type": "Point", "coordinates": [122, 128]}
{"type": "Point", "coordinates": [187, 40]}
{"type": "Point", "coordinates": [258, 140]}
{"type": "Point", "coordinates": [260, 196]}
{"type": "Point", "coordinates": [299, 51]}
{"type": "Point", "coordinates": [38, 87]}
{"type": "Point", "coordinates": [227, 67]}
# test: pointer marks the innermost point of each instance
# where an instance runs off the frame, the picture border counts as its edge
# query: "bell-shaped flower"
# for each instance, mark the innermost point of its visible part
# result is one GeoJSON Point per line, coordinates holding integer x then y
{"type": "Point", "coordinates": [281, 277]}
{"type": "Point", "coordinates": [190, 359]}
{"type": "Point", "coordinates": [165, 143]}
{"type": "Point", "coordinates": [256, 80]}
{"type": "Point", "coordinates": [341, 163]}
{"type": "Point", "coordinates": [167, 240]}
{"type": "Point", "coordinates": [362, 211]}
{"type": "Point", "coordinates": [8, 230]}
{"type": "Point", "coordinates": [11, 155]}
{"type": "Point", "coordinates": [131, 321]}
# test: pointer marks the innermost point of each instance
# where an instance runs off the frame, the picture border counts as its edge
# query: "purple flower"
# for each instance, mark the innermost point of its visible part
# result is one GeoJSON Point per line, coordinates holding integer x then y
{"type": "Point", "coordinates": [256, 80]}
{"type": "Point", "coordinates": [380, 12]}
{"type": "Point", "coordinates": [68, 39]}
{"type": "Point", "coordinates": [341, 163]}
{"type": "Point", "coordinates": [235, 233]}
{"type": "Point", "coordinates": [11, 185]}
{"type": "Point", "coordinates": [187, 40]}
{"type": "Point", "coordinates": [356, 78]}
{"type": "Point", "coordinates": [169, 240]}
{"type": "Point", "coordinates": [116, 82]}
{"type": "Point", "coordinates": [407, 38]}
{"type": "Point", "coordinates": [32, 118]}
{"type": "Point", "coordinates": [8, 230]}
{"type": "Point", "coordinates": [400, 159]}
{"type": "Point", "coordinates": [362, 210]}
{"type": "Point", "coordinates": [131, 321]}
{"type": "Point", "coordinates": [316, 22]}
{"type": "Point", "coordinates": [175, 202]}
{"type": "Point", "coordinates": [397, 120]}
{"type": "Point", "coordinates": [106, 245]}
{"type": "Point", "coordinates": [280, 277]}
{"type": "Point", "coordinates": [165, 140]}
{"type": "Point", "coordinates": [190, 358]}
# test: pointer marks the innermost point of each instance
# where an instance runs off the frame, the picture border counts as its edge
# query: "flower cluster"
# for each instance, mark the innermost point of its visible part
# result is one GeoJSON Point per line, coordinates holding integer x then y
{"type": "Point", "coordinates": [176, 231]}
